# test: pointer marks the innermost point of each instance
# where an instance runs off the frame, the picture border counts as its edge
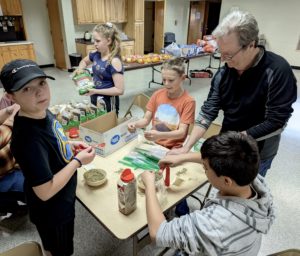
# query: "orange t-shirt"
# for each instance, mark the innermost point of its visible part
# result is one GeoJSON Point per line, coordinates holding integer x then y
{"type": "Point", "coordinates": [168, 113]}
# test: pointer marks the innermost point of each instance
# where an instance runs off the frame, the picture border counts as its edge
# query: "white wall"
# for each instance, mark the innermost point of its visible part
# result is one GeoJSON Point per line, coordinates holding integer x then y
{"type": "Point", "coordinates": [278, 20]}
{"type": "Point", "coordinates": [36, 19]}
{"type": "Point", "coordinates": [177, 10]}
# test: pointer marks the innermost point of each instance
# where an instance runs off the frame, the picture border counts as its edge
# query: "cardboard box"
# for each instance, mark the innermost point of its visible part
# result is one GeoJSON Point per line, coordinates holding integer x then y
{"type": "Point", "coordinates": [106, 133]}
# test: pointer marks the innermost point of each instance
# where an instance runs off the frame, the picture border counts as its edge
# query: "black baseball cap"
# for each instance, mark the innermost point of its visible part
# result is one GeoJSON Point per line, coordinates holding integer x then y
{"type": "Point", "coordinates": [17, 73]}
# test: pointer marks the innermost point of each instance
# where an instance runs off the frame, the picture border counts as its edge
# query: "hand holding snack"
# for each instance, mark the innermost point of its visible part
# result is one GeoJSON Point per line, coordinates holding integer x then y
{"type": "Point", "coordinates": [86, 155]}
{"type": "Point", "coordinates": [131, 127]}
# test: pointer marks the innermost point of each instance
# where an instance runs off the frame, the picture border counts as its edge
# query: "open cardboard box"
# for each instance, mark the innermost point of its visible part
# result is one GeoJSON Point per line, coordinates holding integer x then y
{"type": "Point", "coordinates": [106, 133]}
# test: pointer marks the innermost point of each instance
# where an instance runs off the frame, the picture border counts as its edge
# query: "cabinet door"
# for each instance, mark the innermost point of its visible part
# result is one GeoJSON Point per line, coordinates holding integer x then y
{"type": "Point", "coordinates": [121, 7]}
{"type": "Point", "coordinates": [14, 52]}
{"type": "Point", "coordinates": [4, 56]}
{"type": "Point", "coordinates": [82, 10]}
{"type": "Point", "coordinates": [90, 48]}
{"type": "Point", "coordinates": [26, 52]}
{"type": "Point", "coordinates": [98, 11]}
{"type": "Point", "coordinates": [11, 7]}
{"type": "Point", "coordinates": [127, 48]}
{"type": "Point", "coordinates": [111, 13]}
{"type": "Point", "coordinates": [139, 37]}
{"type": "Point", "coordinates": [139, 10]}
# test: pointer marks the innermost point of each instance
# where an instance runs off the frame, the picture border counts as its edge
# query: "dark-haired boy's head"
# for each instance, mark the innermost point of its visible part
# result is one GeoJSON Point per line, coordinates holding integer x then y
{"type": "Point", "coordinates": [234, 155]}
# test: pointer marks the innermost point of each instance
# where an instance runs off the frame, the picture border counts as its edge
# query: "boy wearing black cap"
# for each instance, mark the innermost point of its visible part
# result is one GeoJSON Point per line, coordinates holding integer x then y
{"type": "Point", "coordinates": [45, 156]}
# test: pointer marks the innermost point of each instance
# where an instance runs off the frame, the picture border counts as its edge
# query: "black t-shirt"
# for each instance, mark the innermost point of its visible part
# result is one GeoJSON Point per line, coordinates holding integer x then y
{"type": "Point", "coordinates": [41, 149]}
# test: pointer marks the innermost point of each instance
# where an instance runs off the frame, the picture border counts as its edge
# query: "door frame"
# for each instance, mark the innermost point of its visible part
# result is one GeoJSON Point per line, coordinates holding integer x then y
{"type": "Point", "coordinates": [58, 40]}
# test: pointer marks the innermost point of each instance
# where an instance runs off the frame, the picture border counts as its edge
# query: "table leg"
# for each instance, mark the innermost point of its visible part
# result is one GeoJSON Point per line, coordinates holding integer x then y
{"type": "Point", "coordinates": [153, 80]}
{"type": "Point", "coordinates": [140, 243]}
{"type": "Point", "coordinates": [210, 60]}
{"type": "Point", "coordinates": [187, 61]}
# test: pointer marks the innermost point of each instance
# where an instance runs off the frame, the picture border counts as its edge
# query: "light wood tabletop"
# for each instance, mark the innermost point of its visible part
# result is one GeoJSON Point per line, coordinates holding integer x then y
{"type": "Point", "coordinates": [102, 201]}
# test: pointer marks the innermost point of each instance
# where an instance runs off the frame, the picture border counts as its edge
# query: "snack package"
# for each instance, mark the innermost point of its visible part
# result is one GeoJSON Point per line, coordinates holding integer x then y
{"type": "Point", "coordinates": [83, 82]}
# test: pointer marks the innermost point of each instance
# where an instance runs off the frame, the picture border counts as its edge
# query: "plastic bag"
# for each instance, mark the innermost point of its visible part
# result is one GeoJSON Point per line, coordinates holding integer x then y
{"type": "Point", "coordinates": [173, 49]}
{"type": "Point", "coordinates": [83, 82]}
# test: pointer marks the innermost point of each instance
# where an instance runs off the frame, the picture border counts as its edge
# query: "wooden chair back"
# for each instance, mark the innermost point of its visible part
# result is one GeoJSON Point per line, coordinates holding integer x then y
{"type": "Point", "coordinates": [30, 248]}
{"type": "Point", "coordinates": [140, 101]}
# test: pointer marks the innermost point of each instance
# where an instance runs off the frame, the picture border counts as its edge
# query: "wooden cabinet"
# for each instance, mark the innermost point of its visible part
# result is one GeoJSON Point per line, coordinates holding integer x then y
{"type": "Point", "coordinates": [26, 52]}
{"type": "Point", "coordinates": [116, 11]}
{"type": "Point", "coordinates": [127, 48]}
{"type": "Point", "coordinates": [84, 49]}
{"type": "Point", "coordinates": [99, 11]}
{"type": "Point", "coordinates": [82, 11]}
{"type": "Point", "coordinates": [121, 8]}
{"type": "Point", "coordinates": [4, 56]}
{"type": "Point", "coordinates": [12, 52]}
{"type": "Point", "coordinates": [11, 7]}
{"type": "Point", "coordinates": [134, 27]}
{"type": "Point", "coordinates": [139, 37]}
{"type": "Point", "coordinates": [111, 14]}
{"type": "Point", "coordinates": [139, 10]}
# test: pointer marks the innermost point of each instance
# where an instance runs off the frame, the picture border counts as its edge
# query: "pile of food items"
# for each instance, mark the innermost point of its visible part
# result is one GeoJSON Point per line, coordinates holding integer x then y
{"type": "Point", "coordinates": [145, 59]}
{"type": "Point", "coordinates": [73, 114]}
{"type": "Point", "coordinates": [208, 43]}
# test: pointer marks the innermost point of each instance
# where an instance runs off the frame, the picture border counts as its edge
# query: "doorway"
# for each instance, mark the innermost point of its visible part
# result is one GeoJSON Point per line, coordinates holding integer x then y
{"type": "Point", "coordinates": [203, 19]}
{"type": "Point", "coordinates": [149, 27]}
{"type": "Point", "coordinates": [212, 17]}
{"type": "Point", "coordinates": [56, 34]}
{"type": "Point", "coordinates": [154, 26]}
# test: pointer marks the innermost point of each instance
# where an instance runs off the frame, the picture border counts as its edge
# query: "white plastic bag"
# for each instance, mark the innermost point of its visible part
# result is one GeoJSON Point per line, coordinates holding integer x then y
{"type": "Point", "coordinates": [173, 49]}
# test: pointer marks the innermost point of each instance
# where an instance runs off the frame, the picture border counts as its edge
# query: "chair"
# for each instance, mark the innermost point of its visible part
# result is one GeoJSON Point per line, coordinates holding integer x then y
{"type": "Point", "coordinates": [139, 100]}
{"type": "Point", "coordinates": [290, 252]}
{"type": "Point", "coordinates": [213, 129]}
{"type": "Point", "coordinates": [29, 248]}
{"type": "Point", "coordinates": [169, 37]}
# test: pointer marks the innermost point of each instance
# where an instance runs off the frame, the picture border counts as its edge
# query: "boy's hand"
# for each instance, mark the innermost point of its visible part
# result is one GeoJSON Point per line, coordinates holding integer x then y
{"type": "Point", "coordinates": [148, 178]}
{"type": "Point", "coordinates": [151, 135]}
{"type": "Point", "coordinates": [86, 155]}
{"type": "Point", "coordinates": [131, 127]}
{"type": "Point", "coordinates": [77, 146]}
{"type": "Point", "coordinates": [169, 160]}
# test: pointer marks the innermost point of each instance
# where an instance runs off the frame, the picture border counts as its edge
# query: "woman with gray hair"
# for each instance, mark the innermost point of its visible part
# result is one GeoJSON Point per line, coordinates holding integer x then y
{"type": "Point", "coordinates": [255, 89]}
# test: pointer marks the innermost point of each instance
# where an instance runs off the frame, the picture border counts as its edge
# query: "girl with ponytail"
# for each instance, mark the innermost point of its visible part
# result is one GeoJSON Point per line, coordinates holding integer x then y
{"type": "Point", "coordinates": [108, 70]}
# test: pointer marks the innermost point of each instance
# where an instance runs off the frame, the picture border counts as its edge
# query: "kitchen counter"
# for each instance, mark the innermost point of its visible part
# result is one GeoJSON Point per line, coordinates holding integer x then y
{"type": "Point", "coordinates": [89, 42]}
{"type": "Point", "coordinates": [8, 43]}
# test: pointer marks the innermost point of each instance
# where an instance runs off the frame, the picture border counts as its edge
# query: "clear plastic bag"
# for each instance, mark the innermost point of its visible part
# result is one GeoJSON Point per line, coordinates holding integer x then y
{"type": "Point", "coordinates": [83, 82]}
{"type": "Point", "coordinates": [161, 192]}
{"type": "Point", "coordinates": [173, 49]}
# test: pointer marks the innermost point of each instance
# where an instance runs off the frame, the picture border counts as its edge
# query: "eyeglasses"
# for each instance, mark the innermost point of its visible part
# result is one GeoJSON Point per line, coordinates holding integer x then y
{"type": "Point", "coordinates": [229, 57]}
